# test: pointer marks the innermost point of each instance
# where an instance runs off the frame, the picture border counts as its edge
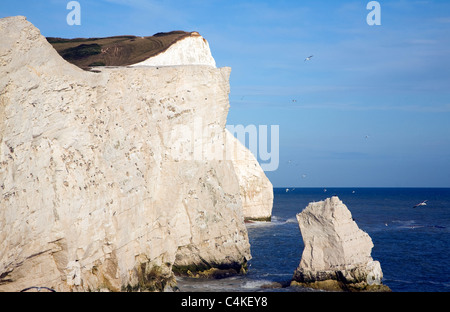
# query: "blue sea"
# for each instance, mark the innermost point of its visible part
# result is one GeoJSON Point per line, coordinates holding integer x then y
{"type": "Point", "coordinates": [411, 244]}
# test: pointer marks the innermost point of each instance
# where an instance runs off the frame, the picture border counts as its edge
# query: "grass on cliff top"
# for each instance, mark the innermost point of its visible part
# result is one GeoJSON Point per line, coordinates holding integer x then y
{"type": "Point", "coordinates": [114, 51]}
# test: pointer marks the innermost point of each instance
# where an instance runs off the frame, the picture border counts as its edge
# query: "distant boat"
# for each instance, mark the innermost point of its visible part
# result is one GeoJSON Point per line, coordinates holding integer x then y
{"type": "Point", "coordinates": [287, 190]}
{"type": "Point", "coordinates": [424, 203]}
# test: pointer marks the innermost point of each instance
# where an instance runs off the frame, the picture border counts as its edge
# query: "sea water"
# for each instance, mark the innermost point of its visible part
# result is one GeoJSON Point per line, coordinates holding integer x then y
{"type": "Point", "coordinates": [411, 244]}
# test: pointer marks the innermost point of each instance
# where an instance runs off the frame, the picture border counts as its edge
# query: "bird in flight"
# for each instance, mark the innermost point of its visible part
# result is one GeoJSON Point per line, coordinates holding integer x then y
{"type": "Point", "coordinates": [38, 289]}
{"type": "Point", "coordinates": [308, 58]}
{"type": "Point", "coordinates": [424, 203]}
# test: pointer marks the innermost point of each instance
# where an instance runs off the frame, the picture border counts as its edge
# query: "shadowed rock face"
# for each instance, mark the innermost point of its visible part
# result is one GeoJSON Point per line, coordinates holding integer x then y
{"type": "Point", "coordinates": [255, 188]}
{"type": "Point", "coordinates": [337, 254]}
{"type": "Point", "coordinates": [96, 189]}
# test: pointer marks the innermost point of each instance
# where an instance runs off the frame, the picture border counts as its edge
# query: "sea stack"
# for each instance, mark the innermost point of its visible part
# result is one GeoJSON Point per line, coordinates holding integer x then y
{"type": "Point", "coordinates": [337, 254]}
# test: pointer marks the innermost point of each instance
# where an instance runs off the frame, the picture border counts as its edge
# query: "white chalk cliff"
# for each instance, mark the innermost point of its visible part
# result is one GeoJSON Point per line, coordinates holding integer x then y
{"type": "Point", "coordinates": [108, 179]}
{"type": "Point", "coordinates": [255, 188]}
{"type": "Point", "coordinates": [191, 50]}
{"type": "Point", "coordinates": [337, 254]}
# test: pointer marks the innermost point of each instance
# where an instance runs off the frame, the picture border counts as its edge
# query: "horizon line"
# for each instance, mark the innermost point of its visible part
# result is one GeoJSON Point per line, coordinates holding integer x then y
{"type": "Point", "coordinates": [360, 187]}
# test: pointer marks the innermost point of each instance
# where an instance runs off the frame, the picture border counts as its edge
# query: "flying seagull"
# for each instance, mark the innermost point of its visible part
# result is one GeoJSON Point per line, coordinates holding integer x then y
{"type": "Point", "coordinates": [38, 289]}
{"type": "Point", "coordinates": [308, 58]}
{"type": "Point", "coordinates": [424, 203]}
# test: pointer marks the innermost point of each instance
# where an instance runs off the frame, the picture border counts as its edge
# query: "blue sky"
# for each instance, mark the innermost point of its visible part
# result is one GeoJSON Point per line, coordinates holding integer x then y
{"type": "Point", "coordinates": [371, 108]}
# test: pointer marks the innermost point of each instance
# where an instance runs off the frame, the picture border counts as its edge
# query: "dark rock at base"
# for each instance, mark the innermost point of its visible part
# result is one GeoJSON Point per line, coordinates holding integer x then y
{"type": "Point", "coordinates": [275, 285]}
{"type": "Point", "coordinates": [337, 286]}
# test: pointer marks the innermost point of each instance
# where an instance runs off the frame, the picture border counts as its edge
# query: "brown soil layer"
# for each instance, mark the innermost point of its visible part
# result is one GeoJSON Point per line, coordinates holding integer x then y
{"type": "Point", "coordinates": [115, 51]}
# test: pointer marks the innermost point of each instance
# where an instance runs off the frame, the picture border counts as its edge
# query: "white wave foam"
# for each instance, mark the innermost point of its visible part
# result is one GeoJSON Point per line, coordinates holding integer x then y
{"type": "Point", "coordinates": [292, 220]}
{"type": "Point", "coordinates": [274, 222]}
{"type": "Point", "coordinates": [255, 284]}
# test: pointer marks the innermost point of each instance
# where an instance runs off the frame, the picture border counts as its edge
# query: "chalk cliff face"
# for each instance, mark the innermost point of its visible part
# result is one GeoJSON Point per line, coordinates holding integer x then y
{"type": "Point", "coordinates": [255, 188]}
{"type": "Point", "coordinates": [108, 180]}
{"type": "Point", "coordinates": [337, 254]}
{"type": "Point", "coordinates": [192, 50]}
